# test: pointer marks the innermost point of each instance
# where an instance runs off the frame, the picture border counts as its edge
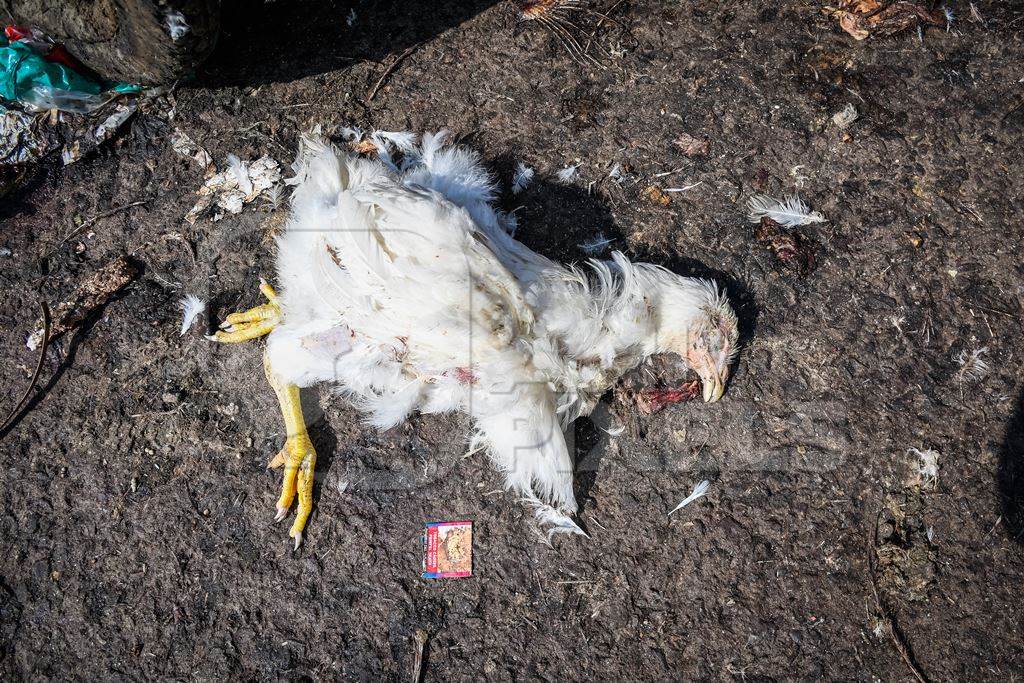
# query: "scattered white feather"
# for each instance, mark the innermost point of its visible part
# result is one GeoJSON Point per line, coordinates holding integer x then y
{"type": "Point", "coordinates": [684, 188]}
{"type": "Point", "coordinates": [273, 197]}
{"type": "Point", "coordinates": [845, 116]}
{"type": "Point", "coordinates": [950, 17]}
{"type": "Point", "coordinates": [351, 18]}
{"type": "Point", "coordinates": [972, 365]}
{"type": "Point", "coordinates": [522, 178]}
{"type": "Point", "coordinates": [237, 168]}
{"type": "Point", "coordinates": [614, 431]}
{"type": "Point", "coordinates": [177, 27]}
{"type": "Point", "coordinates": [698, 491]}
{"type": "Point", "coordinates": [567, 174]}
{"type": "Point", "coordinates": [191, 308]}
{"type": "Point", "coordinates": [341, 486]}
{"type": "Point", "coordinates": [596, 245]}
{"type": "Point", "coordinates": [790, 212]}
{"type": "Point", "coordinates": [930, 534]}
{"type": "Point", "coordinates": [616, 173]}
{"type": "Point", "coordinates": [556, 521]}
{"type": "Point", "coordinates": [928, 465]}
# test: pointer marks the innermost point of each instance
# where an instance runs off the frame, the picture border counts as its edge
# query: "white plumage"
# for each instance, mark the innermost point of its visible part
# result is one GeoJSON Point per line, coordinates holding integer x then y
{"type": "Point", "coordinates": [402, 286]}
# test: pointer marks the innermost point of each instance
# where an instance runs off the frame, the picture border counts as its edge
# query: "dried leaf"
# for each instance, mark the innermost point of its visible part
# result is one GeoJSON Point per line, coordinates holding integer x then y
{"type": "Point", "coordinates": [865, 18]}
{"type": "Point", "coordinates": [655, 194]}
{"type": "Point", "coordinates": [691, 146]}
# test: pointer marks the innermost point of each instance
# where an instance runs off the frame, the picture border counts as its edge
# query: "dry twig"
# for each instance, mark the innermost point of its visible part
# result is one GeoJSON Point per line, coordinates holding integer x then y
{"type": "Point", "coordinates": [420, 637]}
{"type": "Point", "coordinates": [898, 640]}
{"type": "Point", "coordinates": [13, 415]}
{"type": "Point", "coordinates": [388, 71]}
{"type": "Point", "coordinates": [90, 221]}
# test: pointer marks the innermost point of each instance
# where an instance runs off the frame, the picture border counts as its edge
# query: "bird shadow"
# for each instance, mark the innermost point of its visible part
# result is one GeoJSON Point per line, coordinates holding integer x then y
{"type": "Point", "coordinates": [324, 438]}
{"type": "Point", "coordinates": [1010, 475]}
{"type": "Point", "coordinates": [15, 203]}
{"type": "Point", "coordinates": [273, 42]}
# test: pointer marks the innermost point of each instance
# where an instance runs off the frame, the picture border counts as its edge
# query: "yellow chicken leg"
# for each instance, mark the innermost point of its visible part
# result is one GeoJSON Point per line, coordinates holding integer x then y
{"type": "Point", "coordinates": [298, 455]}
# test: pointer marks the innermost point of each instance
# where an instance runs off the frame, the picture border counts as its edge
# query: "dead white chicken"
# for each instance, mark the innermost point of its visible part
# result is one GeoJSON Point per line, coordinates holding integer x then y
{"type": "Point", "coordinates": [402, 286]}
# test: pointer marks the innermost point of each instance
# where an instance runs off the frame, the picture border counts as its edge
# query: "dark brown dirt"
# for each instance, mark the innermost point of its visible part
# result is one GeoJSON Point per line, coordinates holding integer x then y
{"type": "Point", "coordinates": [136, 507]}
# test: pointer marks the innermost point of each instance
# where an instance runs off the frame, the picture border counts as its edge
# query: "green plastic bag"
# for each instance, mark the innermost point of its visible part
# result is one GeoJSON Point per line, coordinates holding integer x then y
{"type": "Point", "coordinates": [27, 77]}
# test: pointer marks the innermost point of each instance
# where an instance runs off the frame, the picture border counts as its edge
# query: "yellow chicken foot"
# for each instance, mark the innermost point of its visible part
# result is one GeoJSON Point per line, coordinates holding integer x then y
{"type": "Point", "coordinates": [298, 455]}
{"type": "Point", "coordinates": [256, 322]}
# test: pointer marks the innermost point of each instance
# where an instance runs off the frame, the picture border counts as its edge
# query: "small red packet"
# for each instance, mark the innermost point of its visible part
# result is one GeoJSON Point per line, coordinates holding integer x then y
{"type": "Point", "coordinates": [447, 550]}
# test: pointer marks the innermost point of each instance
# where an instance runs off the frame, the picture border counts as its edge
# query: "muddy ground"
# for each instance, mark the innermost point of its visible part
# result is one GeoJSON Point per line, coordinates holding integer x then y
{"type": "Point", "coordinates": [137, 540]}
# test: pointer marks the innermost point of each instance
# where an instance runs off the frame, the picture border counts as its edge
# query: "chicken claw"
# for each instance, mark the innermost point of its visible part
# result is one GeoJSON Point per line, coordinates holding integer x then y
{"type": "Point", "coordinates": [298, 457]}
{"type": "Point", "coordinates": [256, 322]}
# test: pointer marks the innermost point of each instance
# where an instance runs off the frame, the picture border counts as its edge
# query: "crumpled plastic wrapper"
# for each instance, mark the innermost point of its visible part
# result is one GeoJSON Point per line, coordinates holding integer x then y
{"type": "Point", "coordinates": [224, 194]}
{"type": "Point", "coordinates": [23, 140]}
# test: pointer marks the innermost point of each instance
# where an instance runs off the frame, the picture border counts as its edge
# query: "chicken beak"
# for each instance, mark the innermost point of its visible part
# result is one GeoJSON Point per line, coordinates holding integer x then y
{"type": "Point", "coordinates": [713, 390]}
{"type": "Point", "coordinates": [711, 381]}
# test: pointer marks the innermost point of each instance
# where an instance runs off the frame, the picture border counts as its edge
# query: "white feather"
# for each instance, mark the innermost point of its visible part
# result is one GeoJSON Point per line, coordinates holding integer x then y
{"type": "Point", "coordinates": [241, 174]}
{"type": "Point", "coordinates": [177, 27]}
{"type": "Point", "coordinates": [927, 465]}
{"type": "Point", "coordinates": [191, 308]}
{"type": "Point", "coordinates": [790, 211]}
{"type": "Point", "coordinates": [522, 178]}
{"type": "Point", "coordinates": [556, 521]}
{"type": "Point", "coordinates": [972, 364]}
{"type": "Point", "coordinates": [273, 197]}
{"type": "Point", "coordinates": [595, 245]}
{"type": "Point", "coordinates": [353, 134]}
{"type": "Point", "coordinates": [567, 174]}
{"type": "Point", "coordinates": [698, 491]}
